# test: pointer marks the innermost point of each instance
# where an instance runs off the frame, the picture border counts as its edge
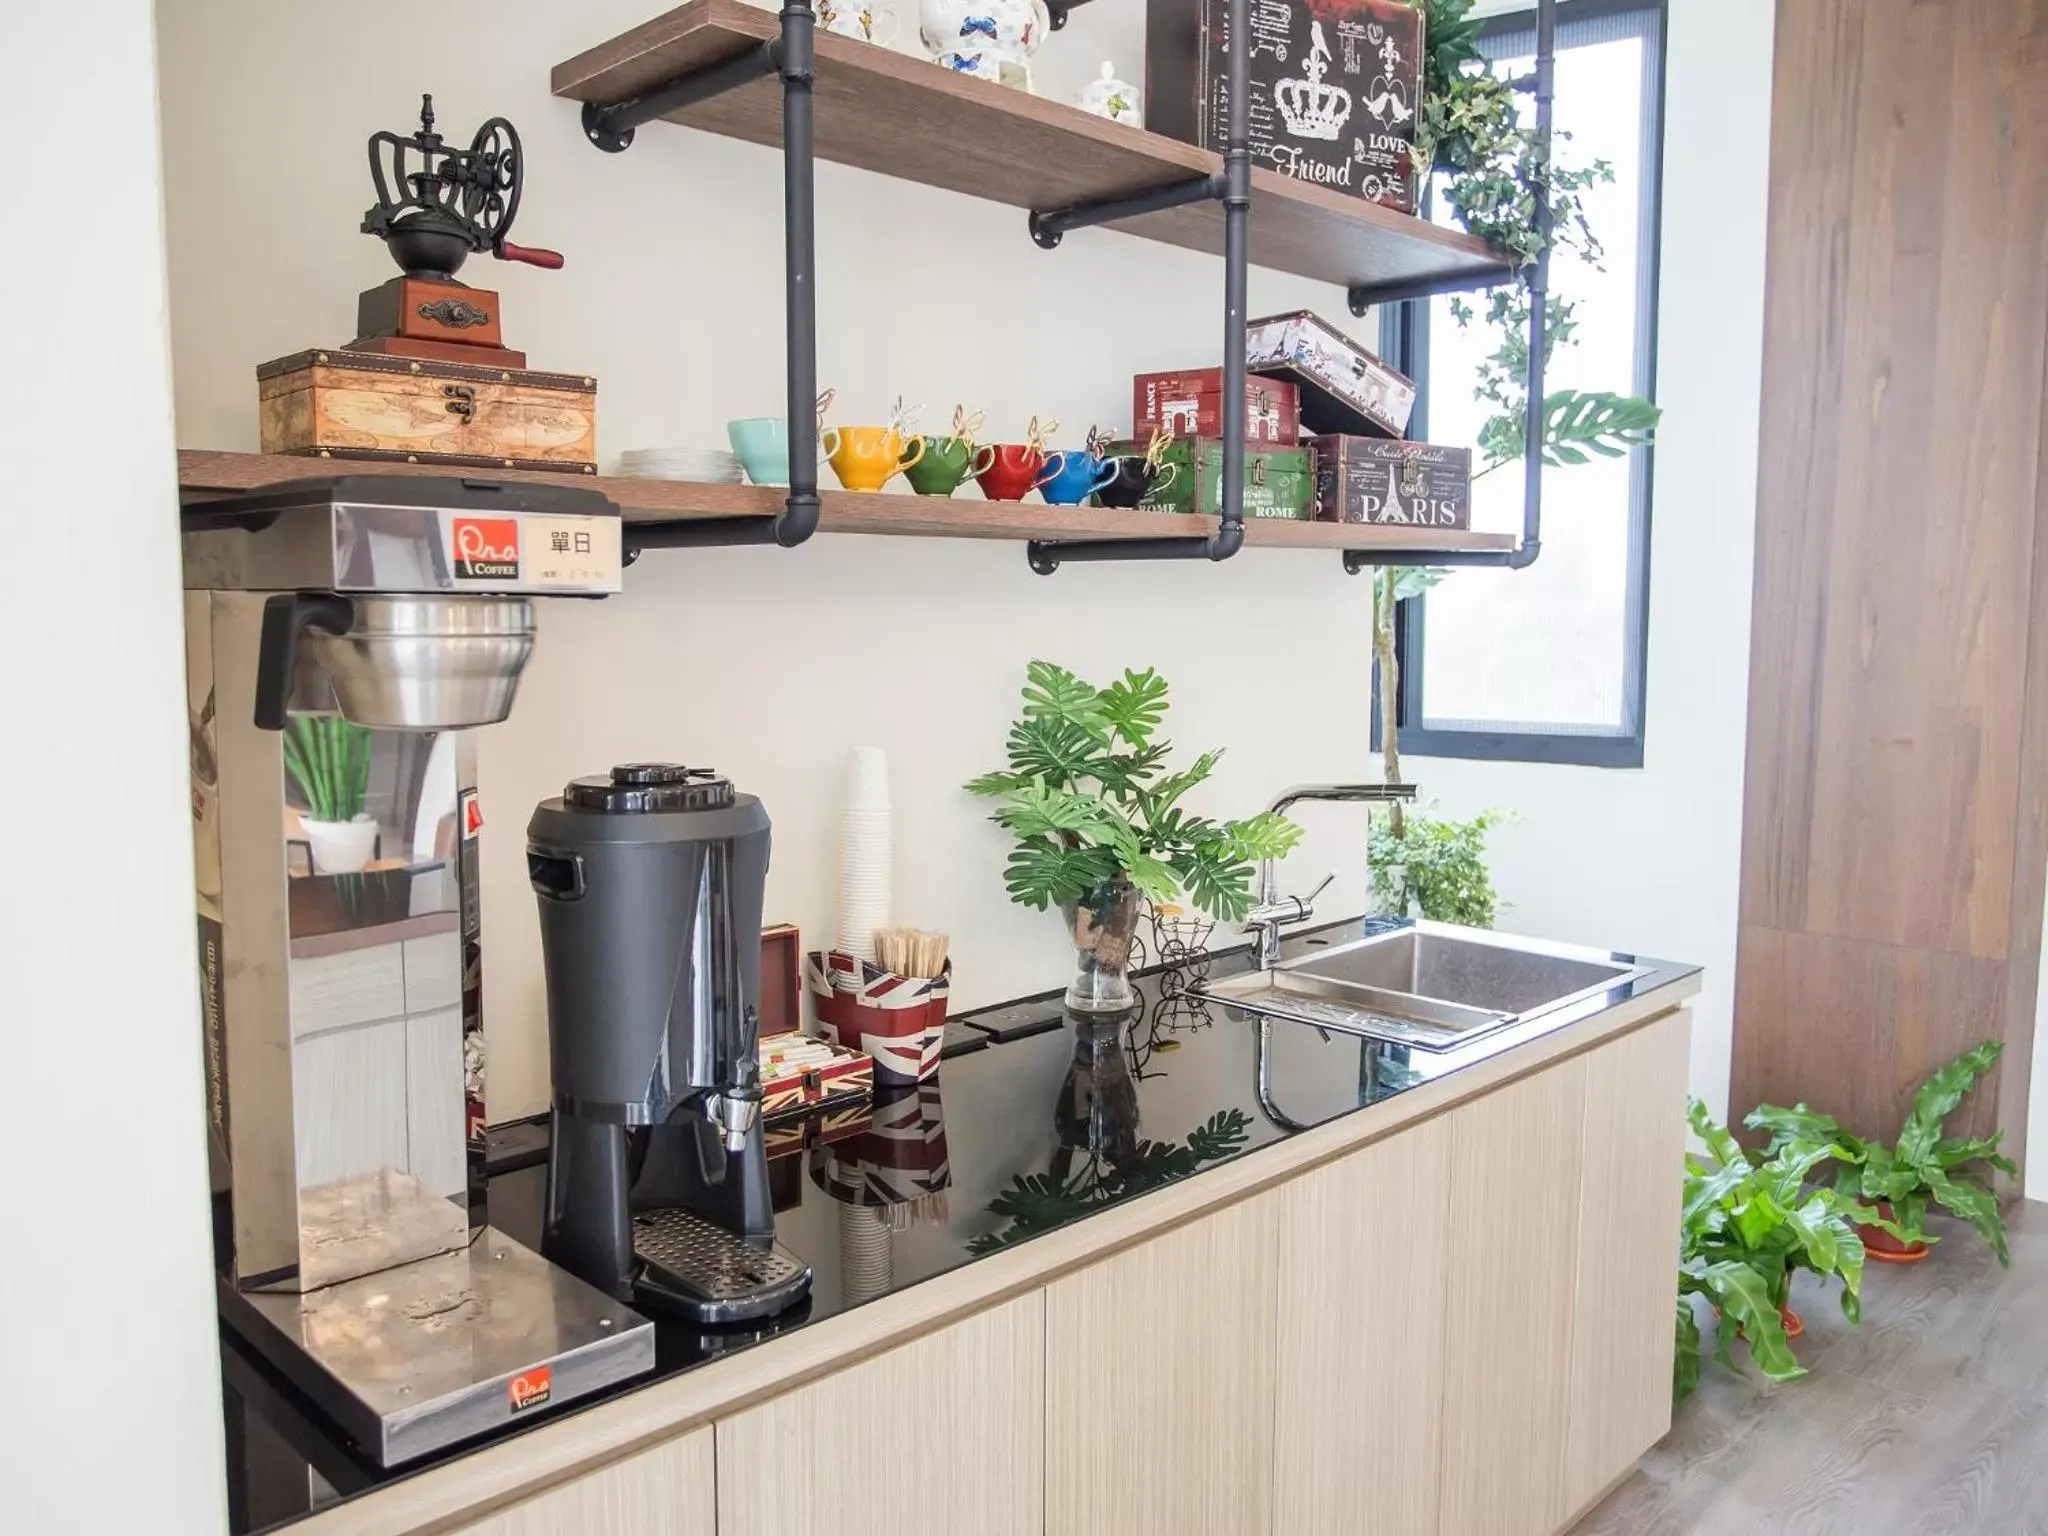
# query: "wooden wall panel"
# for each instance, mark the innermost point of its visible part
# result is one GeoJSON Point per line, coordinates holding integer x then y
{"type": "Point", "coordinates": [1892, 842]}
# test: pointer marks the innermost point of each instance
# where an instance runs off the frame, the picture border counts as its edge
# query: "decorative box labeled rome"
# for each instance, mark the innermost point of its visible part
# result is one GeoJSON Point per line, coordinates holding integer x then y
{"type": "Point", "coordinates": [1190, 404]}
{"type": "Point", "coordinates": [1336, 88]}
{"type": "Point", "coordinates": [1373, 480]}
{"type": "Point", "coordinates": [1278, 482]}
{"type": "Point", "coordinates": [336, 404]}
{"type": "Point", "coordinates": [1344, 388]}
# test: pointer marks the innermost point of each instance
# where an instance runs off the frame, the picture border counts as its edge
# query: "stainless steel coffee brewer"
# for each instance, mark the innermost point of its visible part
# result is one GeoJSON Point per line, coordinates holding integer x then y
{"type": "Point", "coordinates": [650, 881]}
{"type": "Point", "coordinates": [344, 637]}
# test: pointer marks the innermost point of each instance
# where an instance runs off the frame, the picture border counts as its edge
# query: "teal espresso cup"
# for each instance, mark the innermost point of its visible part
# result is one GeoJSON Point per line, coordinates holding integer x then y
{"type": "Point", "coordinates": [762, 443]}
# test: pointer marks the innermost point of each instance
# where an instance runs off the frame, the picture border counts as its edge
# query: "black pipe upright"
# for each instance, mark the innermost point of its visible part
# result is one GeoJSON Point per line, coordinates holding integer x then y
{"type": "Point", "coordinates": [1233, 188]}
{"type": "Point", "coordinates": [791, 57]}
{"type": "Point", "coordinates": [800, 340]}
{"type": "Point", "coordinates": [1237, 207]}
{"type": "Point", "coordinates": [1525, 554]}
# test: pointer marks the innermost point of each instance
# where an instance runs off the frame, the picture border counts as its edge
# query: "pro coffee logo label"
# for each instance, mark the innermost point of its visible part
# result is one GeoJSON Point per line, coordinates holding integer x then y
{"type": "Point", "coordinates": [486, 548]}
{"type": "Point", "coordinates": [529, 1389]}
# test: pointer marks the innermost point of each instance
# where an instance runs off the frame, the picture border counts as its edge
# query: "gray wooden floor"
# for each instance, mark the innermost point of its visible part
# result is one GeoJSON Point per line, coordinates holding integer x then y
{"type": "Point", "coordinates": [1930, 1419]}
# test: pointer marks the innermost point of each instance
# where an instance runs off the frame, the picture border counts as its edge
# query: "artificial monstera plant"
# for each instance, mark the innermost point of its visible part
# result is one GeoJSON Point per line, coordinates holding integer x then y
{"type": "Point", "coordinates": [1096, 813]}
{"type": "Point", "coordinates": [1923, 1166]}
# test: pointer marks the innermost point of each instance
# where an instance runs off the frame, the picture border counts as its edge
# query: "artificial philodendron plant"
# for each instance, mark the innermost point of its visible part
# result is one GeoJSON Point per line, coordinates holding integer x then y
{"type": "Point", "coordinates": [1747, 1227]}
{"type": "Point", "coordinates": [1923, 1165]}
{"type": "Point", "coordinates": [1095, 811]}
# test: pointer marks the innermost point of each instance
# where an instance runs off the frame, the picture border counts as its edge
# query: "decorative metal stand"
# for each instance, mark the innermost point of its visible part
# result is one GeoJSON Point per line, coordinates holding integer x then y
{"type": "Point", "coordinates": [1544, 84]}
{"type": "Point", "coordinates": [611, 129]}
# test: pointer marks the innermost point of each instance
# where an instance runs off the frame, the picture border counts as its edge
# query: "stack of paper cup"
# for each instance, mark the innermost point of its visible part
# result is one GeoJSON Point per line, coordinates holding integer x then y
{"type": "Point", "coordinates": [864, 853]}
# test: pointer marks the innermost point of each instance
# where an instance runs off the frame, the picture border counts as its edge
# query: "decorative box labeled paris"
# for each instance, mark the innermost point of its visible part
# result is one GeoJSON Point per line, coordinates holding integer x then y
{"type": "Point", "coordinates": [1336, 86]}
{"type": "Point", "coordinates": [1372, 480]}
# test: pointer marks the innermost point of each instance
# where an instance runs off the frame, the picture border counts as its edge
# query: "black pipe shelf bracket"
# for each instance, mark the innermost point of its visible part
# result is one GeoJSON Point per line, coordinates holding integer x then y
{"type": "Point", "coordinates": [788, 56]}
{"type": "Point", "coordinates": [1543, 82]}
{"type": "Point", "coordinates": [1232, 187]}
{"type": "Point", "coordinates": [1058, 9]}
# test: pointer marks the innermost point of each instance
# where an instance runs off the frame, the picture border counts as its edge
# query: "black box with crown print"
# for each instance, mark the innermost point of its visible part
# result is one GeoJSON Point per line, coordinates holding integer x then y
{"type": "Point", "coordinates": [1336, 88]}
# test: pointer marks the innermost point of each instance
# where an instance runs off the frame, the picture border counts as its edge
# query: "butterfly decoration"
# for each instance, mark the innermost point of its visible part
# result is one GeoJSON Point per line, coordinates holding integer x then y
{"type": "Point", "coordinates": [1037, 432]}
{"type": "Point", "coordinates": [1099, 439]}
{"type": "Point", "coordinates": [985, 25]}
{"type": "Point", "coordinates": [1155, 451]}
{"type": "Point", "coordinates": [825, 399]}
{"type": "Point", "coordinates": [902, 418]}
{"type": "Point", "coordinates": [965, 426]}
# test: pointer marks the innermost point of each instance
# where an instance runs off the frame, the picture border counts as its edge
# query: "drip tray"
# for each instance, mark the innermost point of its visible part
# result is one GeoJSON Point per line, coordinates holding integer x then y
{"type": "Point", "coordinates": [712, 1274]}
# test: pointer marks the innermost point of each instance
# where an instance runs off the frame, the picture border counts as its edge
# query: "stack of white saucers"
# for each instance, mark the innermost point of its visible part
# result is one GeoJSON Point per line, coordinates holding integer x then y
{"type": "Point", "coordinates": [864, 853]}
{"type": "Point", "coordinates": [704, 466]}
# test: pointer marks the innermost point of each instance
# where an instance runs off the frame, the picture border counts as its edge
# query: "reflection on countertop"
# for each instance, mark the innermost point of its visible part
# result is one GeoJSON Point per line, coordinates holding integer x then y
{"type": "Point", "coordinates": [334, 914]}
{"type": "Point", "coordinates": [1037, 1119]}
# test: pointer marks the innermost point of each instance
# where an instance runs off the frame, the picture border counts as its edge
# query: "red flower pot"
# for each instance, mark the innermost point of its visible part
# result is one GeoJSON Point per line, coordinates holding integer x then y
{"type": "Point", "coordinates": [1886, 1249]}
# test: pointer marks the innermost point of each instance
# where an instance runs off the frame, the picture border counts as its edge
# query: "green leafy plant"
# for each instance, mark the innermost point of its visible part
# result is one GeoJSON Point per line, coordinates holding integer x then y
{"type": "Point", "coordinates": [329, 759]}
{"type": "Point", "coordinates": [1039, 1202]}
{"type": "Point", "coordinates": [1436, 865]}
{"type": "Point", "coordinates": [1094, 809]}
{"type": "Point", "coordinates": [1746, 1229]}
{"type": "Point", "coordinates": [1923, 1166]}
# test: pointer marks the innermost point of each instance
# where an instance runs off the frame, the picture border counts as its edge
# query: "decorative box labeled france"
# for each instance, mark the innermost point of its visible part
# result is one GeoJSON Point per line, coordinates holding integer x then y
{"type": "Point", "coordinates": [1345, 389]}
{"type": "Point", "coordinates": [1336, 86]}
{"type": "Point", "coordinates": [1190, 404]}
{"type": "Point", "coordinates": [1373, 480]}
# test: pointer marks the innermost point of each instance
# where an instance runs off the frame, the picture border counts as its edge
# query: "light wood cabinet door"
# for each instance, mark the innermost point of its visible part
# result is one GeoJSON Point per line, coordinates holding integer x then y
{"type": "Point", "coordinates": [667, 1489]}
{"type": "Point", "coordinates": [1358, 1395]}
{"type": "Point", "coordinates": [1159, 1384]}
{"type": "Point", "coordinates": [1629, 1197]}
{"type": "Point", "coordinates": [1509, 1296]}
{"type": "Point", "coordinates": [940, 1436]}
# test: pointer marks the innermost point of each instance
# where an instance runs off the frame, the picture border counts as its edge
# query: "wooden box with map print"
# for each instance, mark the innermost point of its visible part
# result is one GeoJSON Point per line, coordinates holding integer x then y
{"type": "Point", "coordinates": [336, 404]}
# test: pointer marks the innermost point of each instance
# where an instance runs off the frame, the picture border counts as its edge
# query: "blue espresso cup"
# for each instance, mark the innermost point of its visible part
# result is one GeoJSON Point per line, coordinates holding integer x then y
{"type": "Point", "coordinates": [762, 443]}
{"type": "Point", "coordinates": [1079, 476]}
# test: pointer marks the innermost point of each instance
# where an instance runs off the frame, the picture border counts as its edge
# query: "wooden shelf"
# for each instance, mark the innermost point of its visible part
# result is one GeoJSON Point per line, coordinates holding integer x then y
{"type": "Point", "coordinates": [906, 117]}
{"type": "Point", "coordinates": [203, 473]}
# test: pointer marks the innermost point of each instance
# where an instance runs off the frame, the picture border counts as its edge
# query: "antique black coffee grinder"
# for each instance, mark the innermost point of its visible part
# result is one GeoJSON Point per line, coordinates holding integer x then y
{"type": "Point", "coordinates": [448, 204]}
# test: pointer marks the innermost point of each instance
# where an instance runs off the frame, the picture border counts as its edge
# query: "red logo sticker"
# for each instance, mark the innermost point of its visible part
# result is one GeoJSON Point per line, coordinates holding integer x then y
{"type": "Point", "coordinates": [529, 1389]}
{"type": "Point", "coordinates": [486, 548]}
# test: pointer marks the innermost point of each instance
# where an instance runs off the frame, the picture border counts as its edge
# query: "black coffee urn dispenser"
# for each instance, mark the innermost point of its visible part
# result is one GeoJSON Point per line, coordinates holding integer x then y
{"type": "Point", "coordinates": [650, 883]}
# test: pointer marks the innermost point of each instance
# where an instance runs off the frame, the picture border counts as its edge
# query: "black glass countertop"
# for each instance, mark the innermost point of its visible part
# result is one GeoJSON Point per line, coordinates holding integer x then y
{"type": "Point", "coordinates": [1036, 1119]}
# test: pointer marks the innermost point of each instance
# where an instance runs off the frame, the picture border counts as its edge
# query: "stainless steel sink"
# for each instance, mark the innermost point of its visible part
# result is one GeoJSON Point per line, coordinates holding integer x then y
{"type": "Point", "coordinates": [1431, 986]}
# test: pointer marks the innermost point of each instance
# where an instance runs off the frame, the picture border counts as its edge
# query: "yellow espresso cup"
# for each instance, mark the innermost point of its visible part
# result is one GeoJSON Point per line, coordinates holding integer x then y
{"type": "Point", "coordinates": [866, 458]}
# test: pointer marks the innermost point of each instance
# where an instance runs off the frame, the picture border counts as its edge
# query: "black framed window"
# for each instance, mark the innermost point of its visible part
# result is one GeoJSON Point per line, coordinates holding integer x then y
{"type": "Point", "coordinates": [1547, 664]}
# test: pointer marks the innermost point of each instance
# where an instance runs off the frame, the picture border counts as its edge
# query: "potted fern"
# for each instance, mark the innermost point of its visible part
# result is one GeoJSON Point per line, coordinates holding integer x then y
{"type": "Point", "coordinates": [1922, 1167]}
{"type": "Point", "coordinates": [1747, 1227]}
{"type": "Point", "coordinates": [329, 759]}
{"type": "Point", "coordinates": [1099, 822]}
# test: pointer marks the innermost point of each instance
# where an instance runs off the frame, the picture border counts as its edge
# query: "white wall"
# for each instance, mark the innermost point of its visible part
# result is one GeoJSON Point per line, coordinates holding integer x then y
{"type": "Point", "coordinates": [110, 1417]}
{"type": "Point", "coordinates": [770, 664]}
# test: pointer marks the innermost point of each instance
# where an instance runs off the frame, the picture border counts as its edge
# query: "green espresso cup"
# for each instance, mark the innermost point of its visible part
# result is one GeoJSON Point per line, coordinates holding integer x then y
{"type": "Point", "coordinates": [947, 462]}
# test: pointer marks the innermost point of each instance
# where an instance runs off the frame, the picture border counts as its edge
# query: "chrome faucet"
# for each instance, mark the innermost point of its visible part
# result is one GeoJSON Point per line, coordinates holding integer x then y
{"type": "Point", "coordinates": [1273, 909]}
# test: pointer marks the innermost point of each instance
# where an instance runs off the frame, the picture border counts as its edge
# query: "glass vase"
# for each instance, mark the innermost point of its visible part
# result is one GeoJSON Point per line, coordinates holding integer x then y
{"type": "Point", "coordinates": [1102, 927]}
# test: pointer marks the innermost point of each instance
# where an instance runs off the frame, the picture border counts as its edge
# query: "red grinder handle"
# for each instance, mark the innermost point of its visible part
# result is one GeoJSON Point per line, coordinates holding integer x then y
{"type": "Point", "coordinates": [532, 255]}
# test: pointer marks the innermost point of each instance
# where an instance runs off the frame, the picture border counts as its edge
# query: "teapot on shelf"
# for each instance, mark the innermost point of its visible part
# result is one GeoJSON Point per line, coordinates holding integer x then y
{"type": "Point", "coordinates": [989, 39]}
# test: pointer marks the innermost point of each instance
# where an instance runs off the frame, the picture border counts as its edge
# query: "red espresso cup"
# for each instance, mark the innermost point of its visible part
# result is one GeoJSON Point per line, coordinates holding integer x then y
{"type": "Point", "coordinates": [1016, 469]}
